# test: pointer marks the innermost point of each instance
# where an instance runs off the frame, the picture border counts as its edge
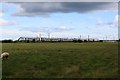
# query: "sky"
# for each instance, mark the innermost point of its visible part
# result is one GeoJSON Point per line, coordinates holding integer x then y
{"type": "Point", "coordinates": [99, 20]}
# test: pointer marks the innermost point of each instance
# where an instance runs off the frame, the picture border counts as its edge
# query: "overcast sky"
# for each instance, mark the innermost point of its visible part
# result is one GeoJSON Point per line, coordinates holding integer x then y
{"type": "Point", "coordinates": [61, 19]}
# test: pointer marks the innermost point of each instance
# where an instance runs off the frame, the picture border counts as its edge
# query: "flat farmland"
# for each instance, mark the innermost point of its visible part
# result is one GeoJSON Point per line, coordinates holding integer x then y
{"type": "Point", "coordinates": [61, 60]}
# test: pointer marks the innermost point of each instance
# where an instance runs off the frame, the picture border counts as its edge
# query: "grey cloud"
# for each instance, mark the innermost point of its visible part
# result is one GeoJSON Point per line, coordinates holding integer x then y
{"type": "Point", "coordinates": [105, 23]}
{"type": "Point", "coordinates": [46, 8]}
{"type": "Point", "coordinates": [60, 0]}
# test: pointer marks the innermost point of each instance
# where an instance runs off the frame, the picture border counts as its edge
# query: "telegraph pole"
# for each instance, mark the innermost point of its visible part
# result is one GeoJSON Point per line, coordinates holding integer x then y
{"type": "Point", "coordinates": [80, 37]}
{"type": "Point", "coordinates": [48, 34]}
{"type": "Point", "coordinates": [88, 37]}
{"type": "Point", "coordinates": [40, 37]}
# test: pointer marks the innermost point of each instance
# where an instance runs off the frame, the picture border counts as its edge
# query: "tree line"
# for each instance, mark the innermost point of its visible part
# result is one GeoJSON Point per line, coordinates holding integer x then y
{"type": "Point", "coordinates": [33, 41]}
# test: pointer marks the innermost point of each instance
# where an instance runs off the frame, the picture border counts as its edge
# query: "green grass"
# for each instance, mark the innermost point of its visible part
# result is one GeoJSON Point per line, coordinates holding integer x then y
{"type": "Point", "coordinates": [60, 60]}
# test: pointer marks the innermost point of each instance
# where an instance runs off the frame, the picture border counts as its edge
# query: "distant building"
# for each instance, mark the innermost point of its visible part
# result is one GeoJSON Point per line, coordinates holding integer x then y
{"type": "Point", "coordinates": [29, 39]}
{"type": "Point", "coordinates": [44, 39]}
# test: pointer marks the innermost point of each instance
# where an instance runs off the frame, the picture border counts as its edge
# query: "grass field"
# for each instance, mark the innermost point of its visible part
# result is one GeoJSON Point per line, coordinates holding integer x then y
{"type": "Point", "coordinates": [60, 60]}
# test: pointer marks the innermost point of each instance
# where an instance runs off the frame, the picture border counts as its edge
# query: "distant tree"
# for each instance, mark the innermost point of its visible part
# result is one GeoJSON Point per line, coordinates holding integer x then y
{"type": "Point", "coordinates": [85, 41]}
{"type": "Point", "coordinates": [7, 41]}
{"type": "Point", "coordinates": [33, 40]}
{"type": "Point", "coordinates": [80, 40]}
{"type": "Point", "coordinates": [101, 40]}
{"type": "Point", "coordinates": [28, 41]}
{"type": "Point", "coordinates": [75, 40]}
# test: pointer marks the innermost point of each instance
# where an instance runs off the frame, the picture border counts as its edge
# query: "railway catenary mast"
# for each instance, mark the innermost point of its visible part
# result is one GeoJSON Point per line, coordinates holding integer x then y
{"type": "Point", "coordinates": [40, 37]}
{"type": "Point", "coordinates": [48, 34]}
{"type": "Point", "coordinates": [80, 37]}
{"type": "Point", "coordinates": [88, 37]}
